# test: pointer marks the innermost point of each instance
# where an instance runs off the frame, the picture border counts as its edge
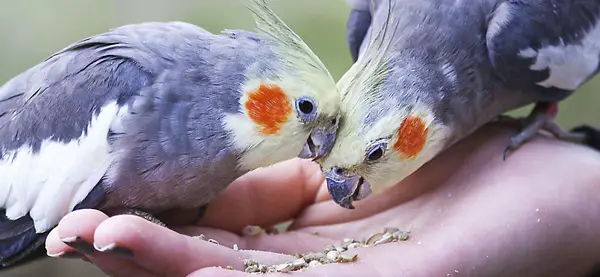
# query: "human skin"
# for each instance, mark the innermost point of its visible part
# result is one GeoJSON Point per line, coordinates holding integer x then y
{"type": "Point", "coordinates": [469, 213]}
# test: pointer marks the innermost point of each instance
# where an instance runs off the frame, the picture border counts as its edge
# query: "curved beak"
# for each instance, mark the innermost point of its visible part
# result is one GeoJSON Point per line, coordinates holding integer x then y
{"type": "Point", "coordinates": [319, 143]}
{"type": "Point", "coordinates": [346, 188]}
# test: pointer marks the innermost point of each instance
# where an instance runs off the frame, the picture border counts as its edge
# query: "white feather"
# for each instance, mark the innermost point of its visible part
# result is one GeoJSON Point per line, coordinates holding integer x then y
{"type": "Point", "coordinates": [570, 65]}
{"type": "Point", "coordinates": [450, 72]}
{"type": "Point", "coordinates": [50, 183]}
{"type": "Point", "coordinates": [501, 17]}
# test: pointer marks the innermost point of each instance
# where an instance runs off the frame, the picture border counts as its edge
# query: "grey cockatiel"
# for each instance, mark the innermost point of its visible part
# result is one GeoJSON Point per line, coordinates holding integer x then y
{"type": "Point", "coordinates": [441, 69]}
{"type": "Point", "coordinates": [154, 117]}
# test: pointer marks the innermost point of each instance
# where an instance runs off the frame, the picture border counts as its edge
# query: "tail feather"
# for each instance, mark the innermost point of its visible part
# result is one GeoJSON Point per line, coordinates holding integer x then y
{"type": "Point", "coordinates": [11, 228]}
{"type": "Point", "coordinates": [18, 239]}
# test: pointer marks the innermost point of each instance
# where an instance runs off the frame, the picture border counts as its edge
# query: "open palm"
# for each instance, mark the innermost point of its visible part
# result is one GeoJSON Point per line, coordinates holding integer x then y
{"type": "Point", "coordinates": [468, 212]}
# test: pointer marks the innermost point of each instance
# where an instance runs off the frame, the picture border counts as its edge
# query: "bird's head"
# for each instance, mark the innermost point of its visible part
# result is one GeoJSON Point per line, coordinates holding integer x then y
{"type": "Point", "coordinates": [387, 131]}
{"type": "Point", "coordinates": [290, 102]}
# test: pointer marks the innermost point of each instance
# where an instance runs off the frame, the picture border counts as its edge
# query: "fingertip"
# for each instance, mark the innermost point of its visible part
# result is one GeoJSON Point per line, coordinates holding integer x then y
{"type": "Point", "coordinates": [80, 223]}
{"type": "Point", "coordinates": [54, 246]}
{"type": "Point", "coordinates": [124, 230]}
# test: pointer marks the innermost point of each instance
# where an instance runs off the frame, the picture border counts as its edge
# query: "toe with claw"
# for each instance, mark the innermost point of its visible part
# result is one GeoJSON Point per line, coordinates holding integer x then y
{"type": "Point", "coordinates": [541, 118]}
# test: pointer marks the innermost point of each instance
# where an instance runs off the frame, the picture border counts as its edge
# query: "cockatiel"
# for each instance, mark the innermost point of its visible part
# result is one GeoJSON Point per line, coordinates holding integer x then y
{"type": "Point", "coordinates": [427, 73]}
{"type": "Point", "coordinates": [153, 117]}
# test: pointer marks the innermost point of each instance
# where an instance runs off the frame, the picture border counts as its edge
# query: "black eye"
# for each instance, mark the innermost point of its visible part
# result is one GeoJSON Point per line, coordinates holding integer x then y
{"type": "Point", "coordinates": [376, 153]}
{"type": "Point", "coordinates": [305, 106]}
{"type": "Point", "coordinates": [307, 110]}
{"type": "Point", "coordinates": [334, 121]}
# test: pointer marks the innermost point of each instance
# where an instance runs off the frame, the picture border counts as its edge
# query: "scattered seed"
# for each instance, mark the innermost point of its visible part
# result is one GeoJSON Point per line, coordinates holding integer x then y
{"type": "Point", "coordinates": [299, 263]}
{"type": "Point", "coordinates": [314, 263]}
{"type": "Point", "coordinates": [330, 254]}
{"type": "Point", "coordinates": [285, 267]}
{"type": "Point", "coordinates": [252, 230]}
{"type": "Point", "coordinates": [329, 248]}
{"type": "Point", "coordinates": [345, 258]}
{"type": "Point", "coordinates": [313, 256]}
{"type": "Point", "coordinates": [200, 237]}
{"type": "Point", "coordinates": [229, 267]}
{"type": "Point", "coordinates": [373, 238]}
{"type": "Point", "coordinates": [251, 269]}
{"type": "Point", "coordinates": [401, 235]}
{"type": "Point", "coordinates": [235, 247]}
{"type": "Point", "coordinates": [353, 245]}
{"type": "Point", "coordinates": [387, 237]}
{"type": "Point", "coordinates": [213, 241]}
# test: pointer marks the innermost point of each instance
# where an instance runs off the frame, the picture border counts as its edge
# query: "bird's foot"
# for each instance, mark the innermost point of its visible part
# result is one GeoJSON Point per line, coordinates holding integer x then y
{"type": "Point", "coordinates": [592, 135]}
{"type": "Point", "coordinates": [142, 214]}
{"type": "Point", "coordinates": [541, 119]}
{"type": "Point", "coordinates": [147, 216]}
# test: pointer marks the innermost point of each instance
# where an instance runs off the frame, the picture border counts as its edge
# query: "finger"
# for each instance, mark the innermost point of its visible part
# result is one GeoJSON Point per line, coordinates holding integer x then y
{"type": "Point", "coordinates": [367, 267]}
{"type": "Point", "coordinates": [287, 242]}
{"type": "Point", "coordinates": [55, 248]}
{"type": "Point", "coordinates": [166, 252]}
{"type": "Point", "coordinates": [266, 196]}
{"type": "Point", "coordinates": [76, 232]}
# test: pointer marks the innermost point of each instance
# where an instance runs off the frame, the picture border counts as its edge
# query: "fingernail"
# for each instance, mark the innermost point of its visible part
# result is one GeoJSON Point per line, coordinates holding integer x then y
{"type": "Point", "coordinates": [67, 255]}
{"type": "Point", "coordinates": [114, 249]}
{"type": "Point", "coordinates": [79, 244]}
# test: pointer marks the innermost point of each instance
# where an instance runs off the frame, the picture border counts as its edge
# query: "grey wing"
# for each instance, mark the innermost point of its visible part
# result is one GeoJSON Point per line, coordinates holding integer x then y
{"type": "Point", "coordinates": [550, 47]}
{"type": "Point", "coordinates": [357, 25]}
{"type": "Point", "coordinates": [55, 117]}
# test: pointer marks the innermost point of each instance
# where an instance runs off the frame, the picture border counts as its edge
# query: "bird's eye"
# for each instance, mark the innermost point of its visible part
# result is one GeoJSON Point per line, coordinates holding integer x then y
{"type": "Point", "coordinates": [376, 152]}
{"type": "Point", "coordinates": [306, 108]}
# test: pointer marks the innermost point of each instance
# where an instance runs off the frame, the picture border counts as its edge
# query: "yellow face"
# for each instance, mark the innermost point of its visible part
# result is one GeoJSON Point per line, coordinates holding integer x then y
{"type": "Point", "coordinates": [294, 113]}
{"type": "Point", "coordinates": [367, 160]}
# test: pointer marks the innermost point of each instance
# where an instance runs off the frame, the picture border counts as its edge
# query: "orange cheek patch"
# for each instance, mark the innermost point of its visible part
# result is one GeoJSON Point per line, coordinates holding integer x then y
{"type": "Point", "coordinates": [412, 136]}
{"type": "Point", "coordinates": [269, 108]}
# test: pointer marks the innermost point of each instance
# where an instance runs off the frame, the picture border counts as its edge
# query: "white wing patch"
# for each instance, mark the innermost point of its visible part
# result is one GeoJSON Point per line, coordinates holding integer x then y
{"type": "Point", "coordinates": [50, 183]}
{"type": "Point", "coordinates": [449, 71]}
{"type": "Point", "coordinates": [502, 16]}
{"type": "Point", "coordinates": [570, 65]}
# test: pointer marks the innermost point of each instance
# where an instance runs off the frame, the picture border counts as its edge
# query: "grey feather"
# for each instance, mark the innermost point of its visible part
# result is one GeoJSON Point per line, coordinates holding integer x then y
{"type": "Point", "coordinates": [357, 26]}
{"type": "Point", "coordinates": [177, 80]}
{"type": "Point", "coordinates": [489, 81]}
{"type": "Point", "coordinates": [534, 24]}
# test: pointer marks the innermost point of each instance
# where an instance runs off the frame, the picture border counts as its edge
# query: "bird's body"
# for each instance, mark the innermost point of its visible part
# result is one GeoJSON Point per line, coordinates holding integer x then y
{"type": "Point", "coordinates": [152, 117]}
{"type": "Point", "coordinates": [442, 69]}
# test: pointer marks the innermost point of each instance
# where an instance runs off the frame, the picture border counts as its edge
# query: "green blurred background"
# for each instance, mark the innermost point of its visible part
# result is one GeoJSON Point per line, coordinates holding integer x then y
{"type": "Point", "coordinates": [30, 30]}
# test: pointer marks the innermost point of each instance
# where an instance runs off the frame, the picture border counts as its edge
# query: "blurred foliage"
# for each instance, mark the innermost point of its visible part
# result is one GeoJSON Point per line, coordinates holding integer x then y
{"type": "Point", "coordinates": [30, 30]}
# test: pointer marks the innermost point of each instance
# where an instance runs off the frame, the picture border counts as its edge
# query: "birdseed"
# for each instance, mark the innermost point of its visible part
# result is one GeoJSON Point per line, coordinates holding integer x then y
{"type": "Point", "coordinates": [330, 253]}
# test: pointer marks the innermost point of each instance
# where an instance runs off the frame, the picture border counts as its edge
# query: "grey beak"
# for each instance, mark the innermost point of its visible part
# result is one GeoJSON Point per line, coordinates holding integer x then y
{"type": "Point", "coordinates": [319, 144]}
{"type": "Point", "coordinates": [345, 188]}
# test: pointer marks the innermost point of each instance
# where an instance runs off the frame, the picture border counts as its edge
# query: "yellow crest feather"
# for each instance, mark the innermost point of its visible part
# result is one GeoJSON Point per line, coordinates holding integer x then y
{"type": "Point", "coordinates": [292, 50]}
{"type": "Point", "coordinates": [363, 80]}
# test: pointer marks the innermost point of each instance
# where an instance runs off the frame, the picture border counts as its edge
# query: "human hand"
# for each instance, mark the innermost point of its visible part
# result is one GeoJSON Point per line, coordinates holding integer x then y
{"type": "Point", "coordinates": [469, 214]}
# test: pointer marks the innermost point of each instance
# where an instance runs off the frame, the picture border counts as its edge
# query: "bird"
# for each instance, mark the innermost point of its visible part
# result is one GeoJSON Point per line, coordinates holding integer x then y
{"type": "Point", "coordinates": [154, 117]}
{"type": "Point", "coordinates": [427, 73]}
